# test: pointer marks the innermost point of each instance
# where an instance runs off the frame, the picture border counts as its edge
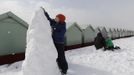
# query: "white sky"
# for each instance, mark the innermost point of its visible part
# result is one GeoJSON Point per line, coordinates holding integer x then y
{"type": "Point", "coordinates": [109, 13]}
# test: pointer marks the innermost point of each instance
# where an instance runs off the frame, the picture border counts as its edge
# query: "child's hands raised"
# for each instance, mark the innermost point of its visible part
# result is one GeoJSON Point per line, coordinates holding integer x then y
{"type": "Point", "coordinates": [43, 9]}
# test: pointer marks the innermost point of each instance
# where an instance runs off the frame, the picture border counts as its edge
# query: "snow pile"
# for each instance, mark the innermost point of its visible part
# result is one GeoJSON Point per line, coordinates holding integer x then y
{"type": "Point", "coordinates": [11, 69]}
{"type": "Point", "coordinates": [40, 53]}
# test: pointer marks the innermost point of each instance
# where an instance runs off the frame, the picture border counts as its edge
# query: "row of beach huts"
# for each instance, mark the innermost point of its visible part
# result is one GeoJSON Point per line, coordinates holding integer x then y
{"type": "Point", "coordinates": [77, 37]}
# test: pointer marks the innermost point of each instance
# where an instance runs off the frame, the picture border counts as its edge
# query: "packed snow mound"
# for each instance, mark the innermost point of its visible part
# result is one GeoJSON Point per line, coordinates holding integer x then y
{"type": "Point", "coordinates": [40, 53]}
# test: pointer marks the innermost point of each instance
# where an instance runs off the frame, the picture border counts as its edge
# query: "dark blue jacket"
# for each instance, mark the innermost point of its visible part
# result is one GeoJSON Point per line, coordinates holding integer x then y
{"type": "Point", "coordinates": [58, 30]}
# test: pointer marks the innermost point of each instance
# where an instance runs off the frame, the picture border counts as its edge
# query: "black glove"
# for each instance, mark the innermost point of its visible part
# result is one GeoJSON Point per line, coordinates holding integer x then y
{"type": "Point", "coordinates": [43, 9]}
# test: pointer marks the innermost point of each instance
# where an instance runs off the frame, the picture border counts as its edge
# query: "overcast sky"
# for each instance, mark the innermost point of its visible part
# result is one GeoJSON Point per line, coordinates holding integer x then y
{"type": "Point", "coordinates": [109, 13]}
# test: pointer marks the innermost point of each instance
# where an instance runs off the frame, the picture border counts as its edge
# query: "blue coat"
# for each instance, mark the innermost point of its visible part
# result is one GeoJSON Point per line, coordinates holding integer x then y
{"type": "Point", "coordinates": [58, 30]}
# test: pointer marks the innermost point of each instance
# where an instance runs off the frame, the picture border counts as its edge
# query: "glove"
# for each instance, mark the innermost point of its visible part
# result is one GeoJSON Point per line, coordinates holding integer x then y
{"type": "Point", "coordinates": [43, 9]}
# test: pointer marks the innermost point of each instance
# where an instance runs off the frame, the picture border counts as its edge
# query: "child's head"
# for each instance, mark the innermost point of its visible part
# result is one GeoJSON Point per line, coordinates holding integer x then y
{"type": "Point", "coordinates": [60, 18]}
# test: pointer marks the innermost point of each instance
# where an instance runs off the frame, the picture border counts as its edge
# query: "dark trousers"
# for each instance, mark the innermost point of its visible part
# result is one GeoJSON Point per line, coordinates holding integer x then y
{"type": "Point", "coordinates": [109, 48]}
{"type": "Point", "coordinates": [61, 60]}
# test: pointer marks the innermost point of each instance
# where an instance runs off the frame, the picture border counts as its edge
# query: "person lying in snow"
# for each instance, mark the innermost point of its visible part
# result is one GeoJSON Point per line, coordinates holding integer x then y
{"type": "Point", "coordinates": [107, 43]}
{"type": "Point", "coordinates": [58, 26]}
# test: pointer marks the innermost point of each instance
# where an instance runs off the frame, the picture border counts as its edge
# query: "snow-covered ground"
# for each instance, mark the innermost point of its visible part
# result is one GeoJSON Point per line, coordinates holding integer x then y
{"type": "Point", "coordinates": [88, 61]}
{"type": "Point", "coordinates": [120, 62]}
{"type": "Point", "coordinates": [11, 69]}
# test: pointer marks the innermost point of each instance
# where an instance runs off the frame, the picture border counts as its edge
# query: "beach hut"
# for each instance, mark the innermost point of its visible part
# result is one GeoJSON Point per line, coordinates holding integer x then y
{"type": "Point", "coordinates": [113, 33]}
{"type": "Point", "coordinates": [104, 31]}
{"type": "Point", "coordinates": [12, 37]}
{"type": "Point", "coordinates": [89, 34]}
{"type": "Point", "coordinates": [74, 36]}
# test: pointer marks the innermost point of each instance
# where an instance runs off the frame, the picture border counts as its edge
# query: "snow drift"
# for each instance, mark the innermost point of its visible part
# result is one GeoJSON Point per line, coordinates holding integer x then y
{"type": "Point", "coordinates": [40, 53]}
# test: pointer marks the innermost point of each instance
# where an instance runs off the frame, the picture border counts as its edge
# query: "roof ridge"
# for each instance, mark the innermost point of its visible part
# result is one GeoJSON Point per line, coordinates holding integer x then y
{"type": "Point", "coordinates": [14, 17]}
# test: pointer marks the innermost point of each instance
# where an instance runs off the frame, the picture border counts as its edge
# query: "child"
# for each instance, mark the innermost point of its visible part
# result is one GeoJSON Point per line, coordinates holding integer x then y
{"type": "Point", "coordinates": [99, 41]}
{"type": "Point", "coordinates": [110, 45]}
{"type": "Point", "coordinates": [58, 26]}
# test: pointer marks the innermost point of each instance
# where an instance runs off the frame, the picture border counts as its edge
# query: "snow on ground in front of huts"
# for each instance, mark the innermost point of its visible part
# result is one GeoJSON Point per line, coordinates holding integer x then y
{"type": "Point", "coordinates": [89, 61]}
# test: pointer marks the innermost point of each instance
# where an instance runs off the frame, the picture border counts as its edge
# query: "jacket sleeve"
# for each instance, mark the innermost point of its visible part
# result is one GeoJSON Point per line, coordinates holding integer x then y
{"type": "Point", "coordinates": [48, 17]}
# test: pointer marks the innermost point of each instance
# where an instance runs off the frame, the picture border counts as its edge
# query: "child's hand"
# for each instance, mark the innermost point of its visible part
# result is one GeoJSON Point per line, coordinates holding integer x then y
{"type": "Point", "coordinates": [43, 9]}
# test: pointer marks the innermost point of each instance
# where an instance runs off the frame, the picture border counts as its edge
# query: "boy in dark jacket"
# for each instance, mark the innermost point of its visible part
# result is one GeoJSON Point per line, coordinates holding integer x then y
{"type": "Point", "coordinates": [58, 26]}
{"type": "Point", "coordinates": [99, 41]}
